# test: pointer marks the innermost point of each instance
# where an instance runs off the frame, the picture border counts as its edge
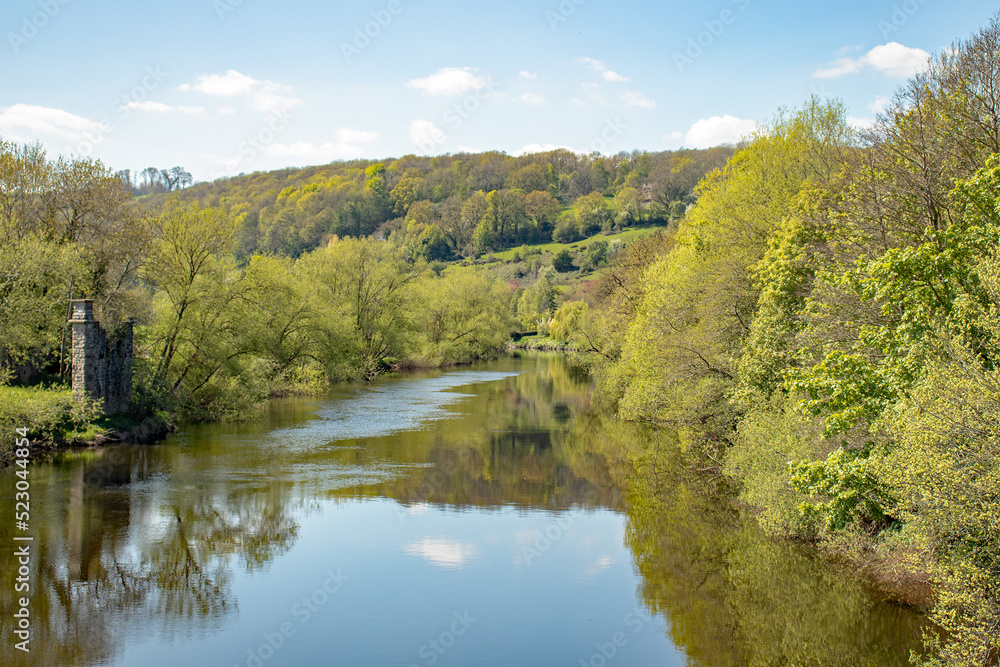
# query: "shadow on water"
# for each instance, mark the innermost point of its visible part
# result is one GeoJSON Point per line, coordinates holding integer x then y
{"type": "Point", "coordinates": [134, 541]}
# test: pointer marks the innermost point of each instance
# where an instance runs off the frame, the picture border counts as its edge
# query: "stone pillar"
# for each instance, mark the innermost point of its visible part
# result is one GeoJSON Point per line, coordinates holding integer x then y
{"type": "Point", "coordinates": [87, 354]}
{"type": "Point", "coordinates": [102, 368]}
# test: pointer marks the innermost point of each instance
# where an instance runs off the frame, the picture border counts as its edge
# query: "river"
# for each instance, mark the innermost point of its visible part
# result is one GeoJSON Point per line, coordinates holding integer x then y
{"type": "Point", "coordinates": [489, 515]}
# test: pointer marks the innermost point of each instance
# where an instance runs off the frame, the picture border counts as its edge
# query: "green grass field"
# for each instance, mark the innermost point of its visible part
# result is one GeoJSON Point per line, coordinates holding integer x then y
{"type": "Point", "coordinates": [626, 235]}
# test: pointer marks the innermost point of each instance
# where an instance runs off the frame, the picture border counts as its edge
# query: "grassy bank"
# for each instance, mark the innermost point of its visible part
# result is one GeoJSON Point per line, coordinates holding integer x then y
{"type": "Point", "coordinates": [53, 419]}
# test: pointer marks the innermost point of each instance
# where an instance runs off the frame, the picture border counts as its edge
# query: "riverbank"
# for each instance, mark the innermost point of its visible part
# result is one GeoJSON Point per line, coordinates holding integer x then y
{"type": "Point", "coordinates": [54, 421]}
{"type": "Point", "coordinates": [541, 344]}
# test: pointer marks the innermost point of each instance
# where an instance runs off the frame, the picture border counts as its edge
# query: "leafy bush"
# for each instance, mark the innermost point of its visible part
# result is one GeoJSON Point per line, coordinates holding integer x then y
{"type": "Point", "coordinates": [50, 415]}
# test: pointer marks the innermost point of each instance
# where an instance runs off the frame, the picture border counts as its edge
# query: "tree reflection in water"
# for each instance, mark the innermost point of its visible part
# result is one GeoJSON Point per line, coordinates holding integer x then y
{"type": "Point", "coordinates": [131, 540]}
{"type": "Point", "coordinates": [126, 552]}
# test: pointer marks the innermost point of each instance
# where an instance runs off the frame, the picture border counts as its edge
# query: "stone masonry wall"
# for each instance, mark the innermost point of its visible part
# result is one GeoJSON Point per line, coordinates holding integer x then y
{"type": "Point", "coordinates": [102, 364]}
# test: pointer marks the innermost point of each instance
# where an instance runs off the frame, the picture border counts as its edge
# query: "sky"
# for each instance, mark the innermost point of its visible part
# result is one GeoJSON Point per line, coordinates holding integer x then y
{"type": "Point", "coordinates": [222, 87]}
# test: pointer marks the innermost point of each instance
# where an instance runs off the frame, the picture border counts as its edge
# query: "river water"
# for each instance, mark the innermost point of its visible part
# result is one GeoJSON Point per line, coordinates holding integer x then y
{"type": "Point", "coordinates": [490, 515]}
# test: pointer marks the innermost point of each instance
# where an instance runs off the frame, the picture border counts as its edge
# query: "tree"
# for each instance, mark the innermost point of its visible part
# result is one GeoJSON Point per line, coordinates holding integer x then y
{"type": "Point", "coordinates": [176, 178]}
{"type": "Point", "coordinates": [362, 288]}
{"type": "Point", "coordinates": [627, 208]}
{"type": "Point", "coordinates": [196, 285]}
{"type": "Point", "coordinates": [473, 211]}
{"type": "Point", "coordinates": [592, 213]}
{"type": "Point", "coordinates": [543, 209]}
{"type": "Point", "coordinates": [597, 252]}
{"type": "Point", "coordinates": [562, 261]}
{"type": "Point", "coordinates": [531, 178]}
{"type": "Point", "coordinates": [432, 244]}
{"type": "Point", "coordinates": [405, 192]}
{"type": "Point", "coordinates": [535, 306]}
{"type": "Point", "coordinates": [505, 216]}
{"type": "Point", "coordinates": [68, 228]}
{"type": "Point", "coordinates": [460, 316]}
{"type": "Point", "coordinates": [700, 298]}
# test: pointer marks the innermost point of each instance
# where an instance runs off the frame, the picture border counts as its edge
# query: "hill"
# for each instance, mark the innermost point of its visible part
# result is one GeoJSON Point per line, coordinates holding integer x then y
{"type": "Point", "coordinates": [454, 206]}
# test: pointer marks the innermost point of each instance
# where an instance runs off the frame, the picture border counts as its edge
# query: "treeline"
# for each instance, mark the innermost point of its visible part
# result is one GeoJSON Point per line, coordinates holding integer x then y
{"type": "Point", "coordinates": [455, 205]}
{"type": "Point", "coordinates": [154, 181]}
{"type": "Point", "coordinates": [824, 327]}
{"type": "Point", "coordinates": [216, 332]}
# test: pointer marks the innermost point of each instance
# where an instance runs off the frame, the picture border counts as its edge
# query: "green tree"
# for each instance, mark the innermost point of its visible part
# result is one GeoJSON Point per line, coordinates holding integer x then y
{"type": "Point", "coordinates": [536, 304]}
{"type": "Point", "coordinates": [196, 283]}
{"type": "Point", "coordinates": [362, 288]}
{"type": "Point", "coordinates": [627, 208]}
{"type": "Point", "coordinates": [461, 316]}
{"type": "Point", "coordinates": [432, 244]}
{"type": "Point", "coordinates": [562, 261]}
{"type": "Point", "coordinates": [593, 213]}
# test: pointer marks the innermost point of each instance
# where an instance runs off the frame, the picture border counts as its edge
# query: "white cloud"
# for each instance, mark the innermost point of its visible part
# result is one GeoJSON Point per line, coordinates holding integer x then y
{"type": "Point", "coordinates": [448, 81]}
{"type": "Point", "coordinates": [27, 123]}
{"type": "Point", "coordinates": [270, 103]}
{"type": "Point", "coordinates": [227, 111]}
{"type": "Point", "coordinates": [598, 566]}
{"type": "Point", "coordinates": [893, 60]}
{"type": "Point", "coordinates": [594, 92]}
{"type": "Point", "coordinates": [718, 130]}
{"type": "Point", "coordinates": [261, 95]}
{"type": "Point", "coordinates": [230, 84]}
{"type": "Point", "coordinates": [349, 136]}
{"type": "Point", "coordinates": [448, 554]}
{"type": "Point", "coordinates": [524, 74]}
{"type": "Point", "coordinates": [898, 61]}
{"type": "Point", "coordinates": [160, 107]}
{"type": "Point", "coordinates": [879, 103]}
{"type": "Point", "coordinates": [860, 123]}
{"type": "Point", "coordinates": [540, 148]}
{"type": "Point", "coordinates": [346, 146]}
{"type": "Point", "coordinates": [532, 98]}
{"type": "Point", "coordinates": [839, 67]}
{"type": "Point", "coordinates": [637, 99]}
{"type": "Point", "coordinates": [673, 136]}
{"type": "Point", "coordinates": [426, 135]}
{"type": "Point", "coordinates": [606, 74]}
{"type": "Point", "coordinates": [304, 152]}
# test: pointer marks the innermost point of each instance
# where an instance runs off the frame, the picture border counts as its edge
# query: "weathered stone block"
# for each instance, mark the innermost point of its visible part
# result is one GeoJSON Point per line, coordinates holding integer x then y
{"type": "Point", "coordinates": [102, 365]}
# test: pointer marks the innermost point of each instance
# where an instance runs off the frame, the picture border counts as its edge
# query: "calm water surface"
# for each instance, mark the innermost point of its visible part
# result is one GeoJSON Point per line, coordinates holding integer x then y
{"type": "Point", "coordinates": [483, 516]}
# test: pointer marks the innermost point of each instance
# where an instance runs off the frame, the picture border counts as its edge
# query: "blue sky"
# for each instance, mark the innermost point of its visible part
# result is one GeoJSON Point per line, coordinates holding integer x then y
{"type": "Point", "coordinates": [228, 86]}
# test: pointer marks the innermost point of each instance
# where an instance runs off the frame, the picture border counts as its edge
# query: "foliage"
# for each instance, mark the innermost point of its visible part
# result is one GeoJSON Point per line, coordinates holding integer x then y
{"type": "Point", "coordinates": [562, 261]}
{"type": "Point", "coordinates": [460, 317]}
{"type": "Point", "coordinates": [49, 414]}
{"type": "Point", "coordinates": [68, 229]}
{"type": "Point", "coordinates": [852, 492]}
{"type": "Point", "coordinates": [480, 202]}
{"type": "Point", "coordinates": [822, 327]}
{"type": "Point", "coordinates": [537, 303]}
{"type": "Point", "coordinates": [682, 349]}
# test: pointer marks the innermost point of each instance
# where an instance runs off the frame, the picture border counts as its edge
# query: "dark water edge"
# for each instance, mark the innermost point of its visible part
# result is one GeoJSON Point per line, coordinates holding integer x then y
{"type": "Point", "coordinates": [494, 509]}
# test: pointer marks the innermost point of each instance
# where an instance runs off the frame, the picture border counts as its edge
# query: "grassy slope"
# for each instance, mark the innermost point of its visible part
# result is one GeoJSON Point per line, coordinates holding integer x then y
{"type": "Point", "coordinates": [50, 415]}
{"type": "Point", "coordinates": [626, 235]}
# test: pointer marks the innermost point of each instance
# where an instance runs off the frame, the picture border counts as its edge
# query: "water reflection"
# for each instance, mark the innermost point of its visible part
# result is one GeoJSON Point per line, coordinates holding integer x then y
{"type": "Point", "coordinates": [734, 596]}
{"type": "Point", "coordinates": [501, 490]}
